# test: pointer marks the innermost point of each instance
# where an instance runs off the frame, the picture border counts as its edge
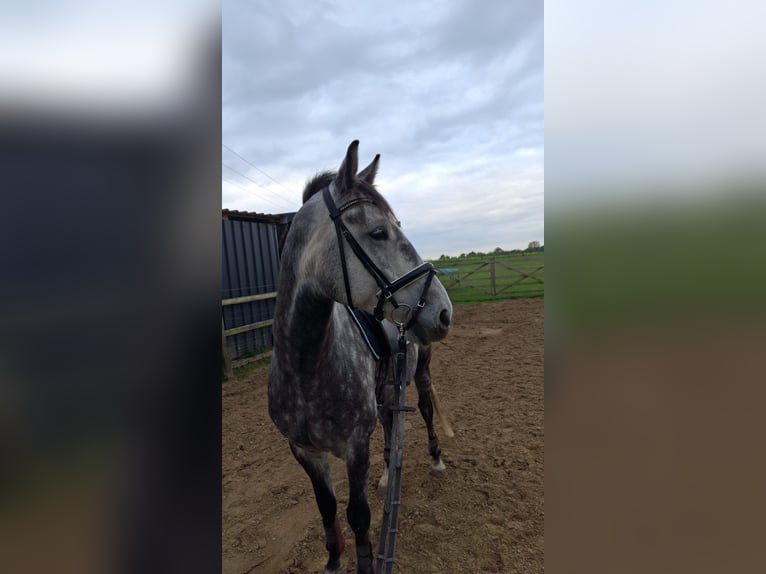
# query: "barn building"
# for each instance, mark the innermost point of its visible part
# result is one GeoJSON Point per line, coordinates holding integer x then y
{"type": "Point", "coordinates": [250, 268]}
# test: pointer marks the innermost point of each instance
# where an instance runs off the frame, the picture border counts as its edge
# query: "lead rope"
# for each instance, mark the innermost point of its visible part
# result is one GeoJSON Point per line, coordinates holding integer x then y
{"type": "Point", "coordinates": [389, 524]}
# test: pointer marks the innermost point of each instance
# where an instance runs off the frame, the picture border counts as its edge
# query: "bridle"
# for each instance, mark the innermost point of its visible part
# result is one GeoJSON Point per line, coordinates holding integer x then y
{"type": "Point", "coordinates": [387, 287]}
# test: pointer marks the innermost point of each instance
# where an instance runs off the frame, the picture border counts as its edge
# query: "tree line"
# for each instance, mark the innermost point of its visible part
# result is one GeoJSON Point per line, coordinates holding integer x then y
{"type": "Point", "coordinates": [533, 247]}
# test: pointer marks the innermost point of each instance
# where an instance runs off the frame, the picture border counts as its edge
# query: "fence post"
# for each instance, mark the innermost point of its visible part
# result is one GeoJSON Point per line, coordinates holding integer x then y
{"type": "Point", "coordinates": [492, 288]}
{"type": "Point", "coordinates": [228, 372]}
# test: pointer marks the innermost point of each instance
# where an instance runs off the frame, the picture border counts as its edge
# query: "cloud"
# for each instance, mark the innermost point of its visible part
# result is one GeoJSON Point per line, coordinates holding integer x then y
{"type": "Point", "coordinates": [450, 96]}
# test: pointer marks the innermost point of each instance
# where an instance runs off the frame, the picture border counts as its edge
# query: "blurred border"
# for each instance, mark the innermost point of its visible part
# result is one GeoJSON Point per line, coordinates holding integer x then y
{"type": "Point", "coordinates": [654, 287]}
{"type": "Point", "coordinates": [110, 134]}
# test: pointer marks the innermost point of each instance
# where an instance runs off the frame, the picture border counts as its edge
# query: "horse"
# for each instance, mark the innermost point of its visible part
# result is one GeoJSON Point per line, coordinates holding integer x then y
{"type": "Point", "coordinates": [344, 247]}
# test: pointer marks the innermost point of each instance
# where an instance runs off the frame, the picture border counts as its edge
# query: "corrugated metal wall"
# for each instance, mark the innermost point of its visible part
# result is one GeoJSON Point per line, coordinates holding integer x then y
{"type": "Point", "coordinates": [250, 267]}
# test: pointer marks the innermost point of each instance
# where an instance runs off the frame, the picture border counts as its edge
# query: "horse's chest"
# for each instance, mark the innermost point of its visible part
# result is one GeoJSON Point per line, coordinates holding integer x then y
{"type": "Point", "coordinates": [323, 409]}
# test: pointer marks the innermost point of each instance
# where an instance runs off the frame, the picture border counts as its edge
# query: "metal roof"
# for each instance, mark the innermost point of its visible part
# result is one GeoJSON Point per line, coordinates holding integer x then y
{"type": "Point", "coordinates": [237, 215]}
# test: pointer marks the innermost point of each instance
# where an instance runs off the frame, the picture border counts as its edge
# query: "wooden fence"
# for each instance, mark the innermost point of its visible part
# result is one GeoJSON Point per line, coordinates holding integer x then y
{"type": "Point", "coordinates": [517, 277]}
{"type": "Point", "coordinates": [228, 364]}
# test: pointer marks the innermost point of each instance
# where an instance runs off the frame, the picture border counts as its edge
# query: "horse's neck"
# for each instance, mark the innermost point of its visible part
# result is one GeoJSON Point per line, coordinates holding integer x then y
{"type": "Point", "coordinates": [306, 323]}
{"type": "Point", "coordinates": [303, 324]}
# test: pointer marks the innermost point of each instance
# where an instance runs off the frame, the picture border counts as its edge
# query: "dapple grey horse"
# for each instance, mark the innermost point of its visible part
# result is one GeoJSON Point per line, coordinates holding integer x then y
{"type": "Point", "coordinates": [345, 247]}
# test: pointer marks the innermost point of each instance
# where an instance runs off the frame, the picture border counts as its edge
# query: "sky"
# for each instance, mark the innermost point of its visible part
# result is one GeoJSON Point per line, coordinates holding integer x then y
{"type": "Point", "coordinates": [450, 95]}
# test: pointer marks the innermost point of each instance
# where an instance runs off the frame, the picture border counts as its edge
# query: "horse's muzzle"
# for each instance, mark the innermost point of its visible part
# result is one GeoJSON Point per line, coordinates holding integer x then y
{"type": "Point", "coordinates": [436, 331]}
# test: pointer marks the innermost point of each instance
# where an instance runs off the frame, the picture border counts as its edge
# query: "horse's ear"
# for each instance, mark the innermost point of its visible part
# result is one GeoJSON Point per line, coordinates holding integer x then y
{"type": "Point", "coordinates": [368, 174]}
{"type": "Point", "coordinates": [347, 172]}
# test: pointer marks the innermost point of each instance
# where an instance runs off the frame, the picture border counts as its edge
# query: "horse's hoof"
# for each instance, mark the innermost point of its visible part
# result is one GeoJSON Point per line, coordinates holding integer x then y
{"type": "Point", "coordinates": [339, 569]}
{"type": "Point", "coordinates": [438, 468]}
{"type": "Point", "coordinates": [364, 563]}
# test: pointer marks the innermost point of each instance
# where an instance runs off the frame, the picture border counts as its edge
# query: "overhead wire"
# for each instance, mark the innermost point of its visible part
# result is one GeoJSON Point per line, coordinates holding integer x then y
{"type": "Point", "coordinates": [250, 191]}
{"type": "Point", "coordinates": [247, 161]}
{"type": "Point", "coordinates": [266, 189]}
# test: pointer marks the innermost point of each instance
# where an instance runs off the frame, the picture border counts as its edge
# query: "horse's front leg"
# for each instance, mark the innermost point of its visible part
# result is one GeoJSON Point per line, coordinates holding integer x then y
{"type": "Point", "coordinates": [318, 469]}
{"type": "Point", "coordinates": [358, 511]}
{"type": "Point", "coordinates": [426, 407]}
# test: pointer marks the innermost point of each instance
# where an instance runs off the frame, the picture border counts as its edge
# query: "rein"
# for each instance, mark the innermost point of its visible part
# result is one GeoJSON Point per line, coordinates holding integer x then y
{"type": "Point", "coordinates": [389, 525]}
{"type": "Point", "coordinates": [390, 522]}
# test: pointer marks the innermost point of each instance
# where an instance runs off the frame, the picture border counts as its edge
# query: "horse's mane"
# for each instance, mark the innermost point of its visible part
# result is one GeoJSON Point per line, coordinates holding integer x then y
{"type": "Point", "coordinates": [325, 178]}
{"type": "Point", "coordinates": [318, 183]}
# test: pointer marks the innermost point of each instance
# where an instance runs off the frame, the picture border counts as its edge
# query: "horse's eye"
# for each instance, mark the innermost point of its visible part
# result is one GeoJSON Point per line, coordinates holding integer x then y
{"type": "Point", "coordinates": [379, 234]}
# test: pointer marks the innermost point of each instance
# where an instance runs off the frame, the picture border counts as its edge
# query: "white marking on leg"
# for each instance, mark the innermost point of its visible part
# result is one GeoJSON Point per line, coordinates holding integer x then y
{"type": "Point", "coordinates": [438, 468]}
{"type": "Point", "coordinates": [383, 482]}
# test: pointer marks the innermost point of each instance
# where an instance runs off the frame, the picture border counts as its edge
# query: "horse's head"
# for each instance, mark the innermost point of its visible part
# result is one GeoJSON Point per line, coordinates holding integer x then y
{"type": "Point", "coordinates": [361, 257]}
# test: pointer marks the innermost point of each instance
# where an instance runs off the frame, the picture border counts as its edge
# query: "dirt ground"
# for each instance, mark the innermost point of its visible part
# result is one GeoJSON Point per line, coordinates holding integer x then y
{"type": "Point", "coordinates": [485, 515]}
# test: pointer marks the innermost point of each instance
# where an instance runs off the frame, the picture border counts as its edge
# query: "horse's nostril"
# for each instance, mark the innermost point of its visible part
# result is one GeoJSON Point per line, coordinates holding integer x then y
{"type": "Point", "coordinates": [444, 317]}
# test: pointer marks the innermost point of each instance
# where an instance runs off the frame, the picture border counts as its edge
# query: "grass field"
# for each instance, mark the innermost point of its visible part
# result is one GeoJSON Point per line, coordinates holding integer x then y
{"type": "Point", "coordinates": [492, 277]}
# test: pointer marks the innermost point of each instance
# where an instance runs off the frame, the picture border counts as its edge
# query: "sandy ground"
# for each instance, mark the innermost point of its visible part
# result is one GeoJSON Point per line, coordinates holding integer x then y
{"type": "Point", "coordinates": [485, 515]}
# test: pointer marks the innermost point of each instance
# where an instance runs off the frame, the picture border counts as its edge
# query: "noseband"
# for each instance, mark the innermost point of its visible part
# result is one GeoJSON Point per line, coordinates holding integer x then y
{"type": "Point", "coordinates": [387, 287]}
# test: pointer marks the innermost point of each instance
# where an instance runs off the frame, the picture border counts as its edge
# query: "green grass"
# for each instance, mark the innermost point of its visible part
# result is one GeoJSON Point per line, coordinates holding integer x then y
{"type": "Point", "coordinates": [473, 281]}
{"type": "Point", "coordinates": [241, 371]}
